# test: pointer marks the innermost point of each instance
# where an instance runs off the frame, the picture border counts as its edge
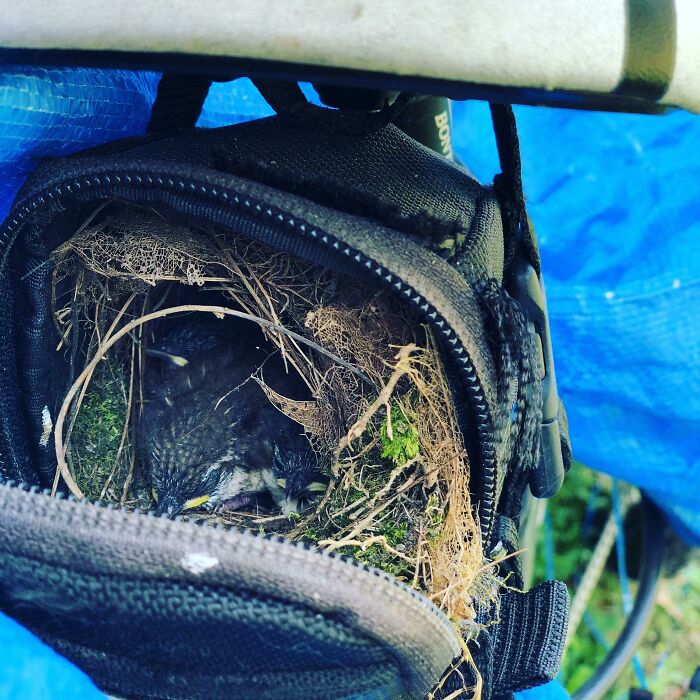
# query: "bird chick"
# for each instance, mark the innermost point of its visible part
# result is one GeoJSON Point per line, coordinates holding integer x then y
{"type": "Point", "coordinates": [294, 481]}
{"type": "Point", "coordinates": [194, 334]}
{"type": "Point", "coordinates": [205, 435]}
{"type": "Point", "coordinates": [210, 436]}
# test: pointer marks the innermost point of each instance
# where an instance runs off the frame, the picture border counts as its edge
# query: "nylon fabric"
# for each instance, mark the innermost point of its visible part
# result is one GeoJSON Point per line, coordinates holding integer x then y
{"type": "Point", "coordinates": [361, 188]}
{"type": "Point", "coordinates": [281, 650]}
{"type": "Point", "coordinates": [31, 669]}
{"type": "Point", "coordinates": [129, 589]}
{"type": "Point", "coordinates": [357, 173]}
{"type": "Point", "coordinates": [440, 284]}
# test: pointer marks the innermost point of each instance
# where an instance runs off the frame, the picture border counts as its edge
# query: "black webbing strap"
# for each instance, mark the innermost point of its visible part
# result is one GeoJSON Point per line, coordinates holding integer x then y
{"type": "Point", "coordinates": [524, 648]}
{"type": "Point", "coordinates": [530, 637]}
{"type": "Point", "coordinates": [178, 103]}
{"type": "Point", "coordinates": [505, 538]}
{"type": "Point", "coordinates": [509, 185]}
{"type": "Point", "coordinates": [290, 103]}
{"type": "Point", "coordinates": [524, 284]}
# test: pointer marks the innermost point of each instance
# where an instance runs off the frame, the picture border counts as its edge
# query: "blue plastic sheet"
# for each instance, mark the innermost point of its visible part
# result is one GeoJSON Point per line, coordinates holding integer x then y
{"type": "Point", "coordinates": [550, 691]}
{"type": "Point", "coordinates": [30, 670]}
{"type": "Point", "coordinates": [231, 103]}
{"type": "Point", "coordinates": [616, 202]}
{"type": "Point", "coordinates": [57, 111]}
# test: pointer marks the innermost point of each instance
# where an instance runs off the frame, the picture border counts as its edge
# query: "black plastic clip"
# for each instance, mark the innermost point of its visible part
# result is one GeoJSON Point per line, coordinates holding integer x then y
{"type": "Point", "coordinates": [528, 289]}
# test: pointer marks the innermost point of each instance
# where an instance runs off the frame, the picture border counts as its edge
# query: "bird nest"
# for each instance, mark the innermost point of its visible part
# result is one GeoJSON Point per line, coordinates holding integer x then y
{"type": "Point", "coordinates": [379, 416]}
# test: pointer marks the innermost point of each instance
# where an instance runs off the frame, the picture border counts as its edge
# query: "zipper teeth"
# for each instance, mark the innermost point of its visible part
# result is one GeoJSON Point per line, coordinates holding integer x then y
{"type": "Point", "coordinates": [416, 595]}
{"type": "Point", "coordinates": [276, 217]}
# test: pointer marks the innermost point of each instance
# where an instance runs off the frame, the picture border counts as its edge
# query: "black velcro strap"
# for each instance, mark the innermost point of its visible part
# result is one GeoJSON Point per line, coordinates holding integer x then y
{"type": "Point", "coordinates": [529, 639]}
{"type": "Point", "coordinates": [509, 185]}
{"type": "Point", "coordinates": [290, 103]}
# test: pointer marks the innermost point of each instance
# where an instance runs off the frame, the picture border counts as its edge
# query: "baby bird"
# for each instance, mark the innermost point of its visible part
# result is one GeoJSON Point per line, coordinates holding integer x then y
{"type": "Point", "coordinates": [198, 333]}
{"type": "Point", "coordinates": [205, 435]}
{"type": "Point", "coordinates": [295, 481]}
{"type": "Point", "coordinates": [210, 437]}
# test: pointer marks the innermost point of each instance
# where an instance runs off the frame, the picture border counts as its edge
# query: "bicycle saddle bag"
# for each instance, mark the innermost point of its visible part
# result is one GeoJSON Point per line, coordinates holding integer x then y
{"type": "Point", "coordinates": [156, 608]}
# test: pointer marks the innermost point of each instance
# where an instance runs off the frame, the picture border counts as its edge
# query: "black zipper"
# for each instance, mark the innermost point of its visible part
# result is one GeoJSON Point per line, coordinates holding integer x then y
{"type": "Point", "coordinates": [272, 225]}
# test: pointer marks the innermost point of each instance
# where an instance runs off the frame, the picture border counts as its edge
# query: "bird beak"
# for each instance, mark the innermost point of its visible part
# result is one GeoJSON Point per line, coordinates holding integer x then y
{"type": "Point", "coordinates": [175, 359]}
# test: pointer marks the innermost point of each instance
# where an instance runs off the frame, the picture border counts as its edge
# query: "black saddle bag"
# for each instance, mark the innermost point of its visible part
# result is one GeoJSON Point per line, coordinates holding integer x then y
{"type": "Point", "coordinates": [154, 608]}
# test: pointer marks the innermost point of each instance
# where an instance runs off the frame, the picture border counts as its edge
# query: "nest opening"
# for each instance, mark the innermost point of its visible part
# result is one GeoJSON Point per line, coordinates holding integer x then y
{"type": "Point", "coordinates": [377, 408]}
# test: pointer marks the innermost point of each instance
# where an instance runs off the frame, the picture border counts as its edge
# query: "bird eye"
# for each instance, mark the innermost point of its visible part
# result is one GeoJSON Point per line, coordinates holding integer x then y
{"type": "Point", "coordinates": [154, 493]}
{"type": "Point", "coordinates": [194, 502]}
{"type": "Point", "coordinates": [316, 487]}
{"type": "Point", "coordinates": [282, 483]}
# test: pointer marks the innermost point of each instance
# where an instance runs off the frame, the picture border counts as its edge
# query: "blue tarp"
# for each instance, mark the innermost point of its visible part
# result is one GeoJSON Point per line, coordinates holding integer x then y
{"type": "Point", "coordinates": [57, 111]}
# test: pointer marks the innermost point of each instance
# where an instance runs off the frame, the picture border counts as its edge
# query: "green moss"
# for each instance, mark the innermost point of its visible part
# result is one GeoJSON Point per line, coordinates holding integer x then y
{"type": "Point", "coordinates": [311, 535]}
{"type": "Point", "coordinates": [376, 556]}
{"type": "Point", "coordinates": [395, 534]}
{"type": "Point", "coordinates": [435, 519]}
{"type": "Point", "coordinates": [397, 525]}
{"type": "Point", "coordinates": [402, 446]}
{"type": "Point", "coordinates": [97, 432]}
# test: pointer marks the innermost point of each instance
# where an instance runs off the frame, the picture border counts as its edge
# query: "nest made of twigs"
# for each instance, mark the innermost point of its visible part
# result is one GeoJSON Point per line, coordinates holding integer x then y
{"type": "Point", "coordinates": [381, 419]}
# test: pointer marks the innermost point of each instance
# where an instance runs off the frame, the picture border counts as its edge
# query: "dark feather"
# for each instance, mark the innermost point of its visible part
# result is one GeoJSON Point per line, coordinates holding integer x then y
{"type": "Point", "coordinates": [206, 420]}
